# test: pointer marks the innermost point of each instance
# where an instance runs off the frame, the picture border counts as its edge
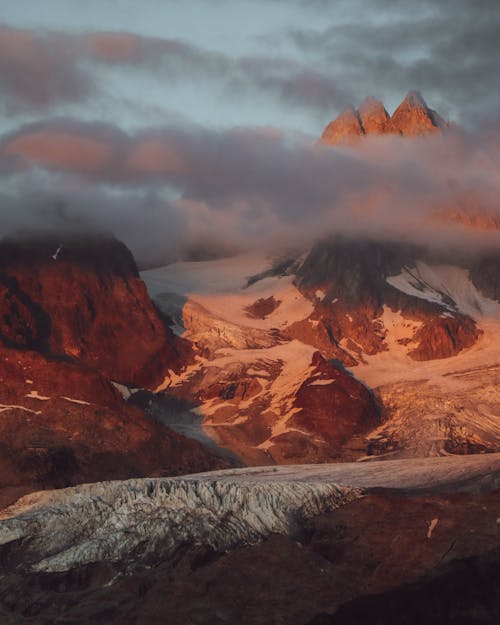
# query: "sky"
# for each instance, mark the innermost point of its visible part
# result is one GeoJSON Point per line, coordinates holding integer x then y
{"type": "Point", "coordinates": [168, 121]}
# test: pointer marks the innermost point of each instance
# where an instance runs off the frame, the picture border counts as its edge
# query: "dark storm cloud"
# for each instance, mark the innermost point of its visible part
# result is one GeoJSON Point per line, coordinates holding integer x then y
{"type": "Point", "coordinates": [449, 50]}
{"type": "Point", "coordinates": [243, 188]}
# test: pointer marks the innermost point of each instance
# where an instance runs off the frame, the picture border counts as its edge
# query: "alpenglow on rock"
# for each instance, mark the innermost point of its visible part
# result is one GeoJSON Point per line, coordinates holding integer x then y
{"type": "Point", "coordinates": [411, 118]}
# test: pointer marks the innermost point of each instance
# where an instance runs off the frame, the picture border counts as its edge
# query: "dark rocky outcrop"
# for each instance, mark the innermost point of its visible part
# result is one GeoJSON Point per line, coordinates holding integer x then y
{"type": "Point", "coordinates": [62, 424]}
{"type": "Point", "coordinates": [371, 561]}
{"type": "Point", "coordinates": [353, 274]}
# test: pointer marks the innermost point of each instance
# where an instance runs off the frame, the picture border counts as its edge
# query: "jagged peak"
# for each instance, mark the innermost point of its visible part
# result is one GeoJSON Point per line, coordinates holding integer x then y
{"type": "Point", "coordinates": [411, 118]}
{"type": "Point", "coordinates": [371, 104]}
{"type": "Point", "coordinates": [345, 128]}
{"type": "Point", "coordinates": [373, 115]}
{"type": "Point", "coordinates": [414, 99]}
{"type": "Point", "coordinates": [349, 112]}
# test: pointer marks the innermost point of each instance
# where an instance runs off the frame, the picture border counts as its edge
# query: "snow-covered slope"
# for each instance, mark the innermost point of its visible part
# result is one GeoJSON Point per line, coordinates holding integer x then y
{"type": "Point", "coordinates": [249, 370]}
{"type": "Point", "coordinates": [430, 351]}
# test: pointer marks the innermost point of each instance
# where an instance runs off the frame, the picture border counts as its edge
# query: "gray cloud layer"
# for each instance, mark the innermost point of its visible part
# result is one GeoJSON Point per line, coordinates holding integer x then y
{"type": "Point", "coordinates": [449, 50]}
{"type": "Point", "coordinates": [166, 190]}
{"type": "Point", "coordinates": [41, 69]}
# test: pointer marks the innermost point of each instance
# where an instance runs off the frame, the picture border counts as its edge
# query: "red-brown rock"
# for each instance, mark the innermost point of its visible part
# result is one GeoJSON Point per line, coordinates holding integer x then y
{"type": "Point", "coordinates": [82, 299]}
{"type": "Point", "coordinates": [333, 405]}
{"type": "Point", "coordinates": [346, 128]}
{"type": "Point", "coordinates": [412, 118]}
{"type": "Point", "coordinates": [374, 117]}
{"type": "Point", "coordinates": [62, 424]}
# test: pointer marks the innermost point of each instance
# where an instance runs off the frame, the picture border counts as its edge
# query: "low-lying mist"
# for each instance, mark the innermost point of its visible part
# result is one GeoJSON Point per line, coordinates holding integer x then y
{"type": "Point", "coordinates": [175, 192]}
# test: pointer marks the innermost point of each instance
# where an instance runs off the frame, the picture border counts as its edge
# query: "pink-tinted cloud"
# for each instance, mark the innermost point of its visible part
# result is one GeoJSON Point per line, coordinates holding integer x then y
{"type": "Point", "coordinates": [153, 156]}
{"type": "Point", "coordinates": [61, 150]}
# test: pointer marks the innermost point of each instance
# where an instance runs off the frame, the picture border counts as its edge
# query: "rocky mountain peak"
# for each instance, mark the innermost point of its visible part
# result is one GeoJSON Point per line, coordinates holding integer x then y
{"type": "Point", "coordinates": [374, 117]}
{"type": "Point", "coordinates": [414, 99]}
{"type": "Point", "coordinates": [346, 128]}
{"type": "Point", "coordinates": [411, 118]}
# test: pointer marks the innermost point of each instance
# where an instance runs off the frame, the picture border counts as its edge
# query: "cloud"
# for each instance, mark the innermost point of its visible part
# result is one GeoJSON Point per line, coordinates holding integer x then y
{"type": "Point", "coordinates": [37, 69]}
{"type": "Point", "coordinates": [328, 53]}
{"type": "Point", "coordinates": [44, 69]}
{"type": "Point", "coordinates": [448, 50]}
{"type": "Point", "coordinates": [168, 190]}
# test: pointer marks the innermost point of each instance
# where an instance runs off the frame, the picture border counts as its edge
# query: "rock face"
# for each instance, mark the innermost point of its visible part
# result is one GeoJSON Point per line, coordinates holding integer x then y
{"type": "Point", "coordinates": [286, 405]}
{"type": "Point", "coordinates": [333, 406]}
{"type": "Point", "coordinates": [374, 118]}
{"type": "Point", "coordinates": [61, 424]}
{"type": "Point", "coordinates": [253, 387]}
{"type": "Point", "coordinates": [412, 118]}
{"type": "Point", "coordinates": [361, 348]}
{"type": "Point", "coordinates": [75, 317]}
{"type": "Point", "coordinates": [362, 300]}
{"type": "Point", "coordinates": [81, 299]}
{"type": "Point", "coordinates": [346, 128]}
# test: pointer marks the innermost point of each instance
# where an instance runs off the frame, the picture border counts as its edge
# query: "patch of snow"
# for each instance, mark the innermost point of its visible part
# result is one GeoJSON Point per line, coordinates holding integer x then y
{"type": "Point", "coordinates": [321, 382]}
{"type": "Point", "coordinates": [446, 285]}
{"type": "Point", "coordinates": [432, 527]}
{"type": "Point", "coordinates": [123, 390]}
{"type": "Point", "coordinates": [5, 407]}
{"type": "Point", "coordinates": [221, 288]}
{"type": "Point", "coordinates": [57, 252]}
{"type": "Point", "coordinates": [36, 395]}
{"type": "Point", "coordinates": [224, 275]}
{"type": "Point", "coordinates": [77, 401]}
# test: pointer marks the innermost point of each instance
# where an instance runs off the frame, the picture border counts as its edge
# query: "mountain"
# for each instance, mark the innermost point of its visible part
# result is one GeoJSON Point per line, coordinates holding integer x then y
{"type": "Point", "coordinates": [255, 388]}
{"type": "Point", "coordinates": [411, 118]}
{"type": "Point", "coordinates": [66, 297]}
{"type": "Point", "coordinates": [355, 349]}
{"type": "Point", "coordinates": [309, 437]}
{"type": "Point", "coordinates": [76, 323]}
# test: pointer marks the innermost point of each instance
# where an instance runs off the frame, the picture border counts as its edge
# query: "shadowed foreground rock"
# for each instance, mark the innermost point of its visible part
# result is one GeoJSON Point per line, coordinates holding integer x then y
{"type": "Point", "coordinates": [380, 559]}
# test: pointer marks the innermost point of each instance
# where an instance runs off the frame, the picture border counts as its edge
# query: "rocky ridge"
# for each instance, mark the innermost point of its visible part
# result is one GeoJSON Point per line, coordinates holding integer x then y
{"type": "Point", "coordinates": [411, 118]}
{"type": "Point", "coordinates": [330, 372]}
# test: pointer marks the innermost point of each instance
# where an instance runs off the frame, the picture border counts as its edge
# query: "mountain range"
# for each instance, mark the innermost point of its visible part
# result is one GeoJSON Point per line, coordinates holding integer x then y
{"type": "Point", "coordinates": [312, 433]}
{"type": "Point", "coordinates": [410, 119]}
